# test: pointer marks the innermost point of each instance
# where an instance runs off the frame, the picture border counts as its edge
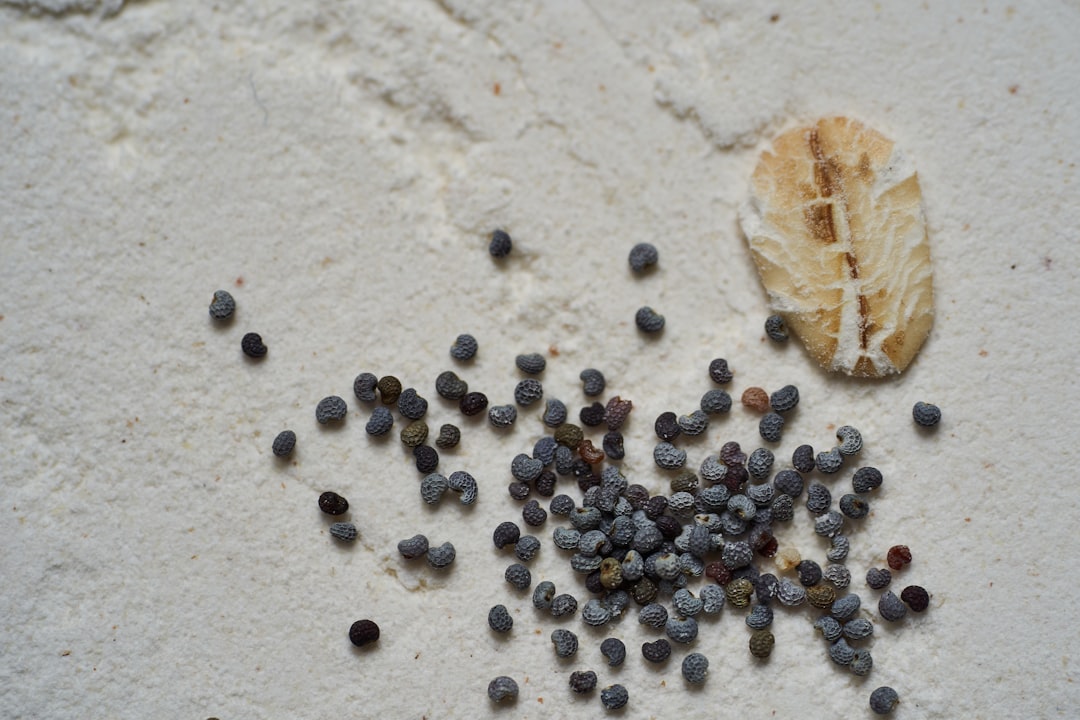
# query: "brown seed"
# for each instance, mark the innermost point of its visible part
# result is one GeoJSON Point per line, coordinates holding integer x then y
{"type": "Point", "coordinates": [738, 592]}
{"type": "Point", "coordinates": [756, 399]}
{"type": "Point", "coordinates": [389, 389]}
{"type": "Point", "coordinates": [415, 433]}
{"type": "Point", "coordinates": [719, 572]}
{"type": "Point", "coordinates": [589, 452]}
{"type": "Point", "coordinates": [616, 412]}
{"type": "Point", "coordinates": [610, 573]}
{"type": "Point", "coordinates": [821, 596]}
{"type": "Point", "coordinates": [899, 556]}
{"type": "Point", "coordinates": [761, 643]}
{"type": "Point", "coordinates": [569, 435]}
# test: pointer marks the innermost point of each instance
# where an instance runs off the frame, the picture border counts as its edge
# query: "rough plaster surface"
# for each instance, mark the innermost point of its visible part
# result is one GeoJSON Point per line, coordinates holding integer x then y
{"type": "Point", "coordinates": [338, 168]}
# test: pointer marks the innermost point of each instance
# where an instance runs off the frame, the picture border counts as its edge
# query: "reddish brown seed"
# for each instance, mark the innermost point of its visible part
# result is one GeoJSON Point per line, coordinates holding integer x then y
{"type": "Point", "coordinates": [718, 572]}
{"type": "Point", "coordinates": [616, 412]}
{"type": "Point", "coordinates": [769, 548]}
{"type": "Point", "coordinates": [915, 597]}
{"type": "Point", "coordinates": [899, 556]}
{"type": "Point", "coordinates": [589, 452]}
{"type": "Point", "coordinates": [756, 399]}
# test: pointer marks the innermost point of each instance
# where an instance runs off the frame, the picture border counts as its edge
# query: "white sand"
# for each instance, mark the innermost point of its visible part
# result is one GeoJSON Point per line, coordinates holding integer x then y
{"type": "Point", "coordinates": [338, 168]}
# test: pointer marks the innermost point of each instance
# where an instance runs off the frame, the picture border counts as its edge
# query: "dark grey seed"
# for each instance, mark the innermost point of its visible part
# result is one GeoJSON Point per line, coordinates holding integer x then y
{"type": "Point", "coordinates": [500, 245]}
{"type": "Point", "coordinates": [643, 255]}
{"type": "Point", "coordinates": [222, 306]}
{"type": "Point", "coordinates": [775, 328]}
{"type": "Point", "coordinates": [284, 443]}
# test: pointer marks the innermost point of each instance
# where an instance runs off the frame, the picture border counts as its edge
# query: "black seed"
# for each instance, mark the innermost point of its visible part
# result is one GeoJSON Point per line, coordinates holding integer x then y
{"type": "Point", "coordinates": [592, 415]}
{"type": "Point", "coordinates": [333, 504]}
{"type": "Point", "coordinates": [667, 426]}
{"type": "Point", "coordinates": [427, 458]}
{"type": "Point", "coordinates": [363, 632]}
{"type": "Point", "coordinates": [252, 345]}
{"type": "Point", "coordinates": [500, 245]}
{"type": "Point", "coordinates": [473, 403]}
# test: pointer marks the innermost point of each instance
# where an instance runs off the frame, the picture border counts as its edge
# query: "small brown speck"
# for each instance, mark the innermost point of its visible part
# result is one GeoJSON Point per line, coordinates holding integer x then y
{"type": "Point", "coordinates": [65, 653]}
{"type": "Point", "coordinates": [553, 350]}
{"type": "Point", "coordinates": [497, 89]}
{"type": "Point", "coordinates": [967, 519]}
{"type": "Point", "coordinates": [775, 17]}
{"type": "Point", "coordinates": [240, 282]}
{"type": "Point", "coordinates": [983, 353]}
{"type": "Point", "coordinates": [1013, 89]}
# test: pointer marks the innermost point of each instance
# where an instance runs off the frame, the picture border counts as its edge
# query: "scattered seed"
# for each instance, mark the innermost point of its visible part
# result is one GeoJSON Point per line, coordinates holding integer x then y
{"type": "Point", "coordinates": [333, 504]}
{"type": "Point", "coordinates": [413, 547]}
{"type": "Point", "coordinates": [414, 434]}
{"type": "Point", "coordinates": [616, 412]}
{"type": "Point", "coordinates": [715, 401]}
{"type": "Point", "coordinates": [363, 632]}
{"type": "Point", "coordinates": [344, 531]}
{"type": "Point", "coordinates": [878, 578]}
{"type": "Point", "coordinates": [593, 382]}
{"type": "Point", "coordinates": [565, 642]}
{"type": "Point", "coordinates": [648, 320]}
{"type": "Point", "coordinates": [252, 345]}
{"type": "Point", "coordinates": [883, 700]}
{"type": "Point", "coordinates": [667, 426]}
{"type": "Point", "coordinates": [657, 651]}
{"type": "Point", "coordinates": [502, 688]}
{"type": "Point", "coordinates": [592, 415]}
{"type": "Point", "coordinates": [830, 461]}
{"type": "Point", "coordinates": [528, 391]}
{"type": "Point", "coordinates": [866, 479]}
{"type": "Point", "coordinates": [564, 604]}
{"type": "Point", "coordinates": [465, 484]}
{"type": "Point", "coordinates": [441, 556]}
{"type": "Point", "coordinates": [543, 594]}
{"type": "Point", "coordinates": [719, 371]}
{"type": "Point", "coordinates": [449, 436]}
{"type": "Point", "coordinates": [380, 422]}
{"type": "Point", "coordinates": [499, 619]}
{"type": "Point", "coordinates": [898, 556]}
{"type": "Point", "coordinates": [432, 488]}
{"type": "Point", "coordinates": [500, 245]}
{"type": "Point", "coordinates": [222, 306]}
{"type": "Point", "coordinates": [284, 443]}
{"type": "Point", "coordinates": [473, 403]}
{"type": "Point", "coordinates": [507, 533]}
{"type": "Point", "coordinates": [771, 427]}
{"type": "Point", "coordinates": [389, 389]}
{"type": "Point", "coordinates": [531, 363]}
{"type": "Point", "coordinates": [464, 348]}
{"type": "Point", "coordinates": [915, 597]}
{"type": "Point", "coordinates": [582, 681]}
{"type": "Point", "coordinates": [850, 440]}
{"type": "Point", "coordinates": [642, 256]}
{"type": "Point", "coordinates": [427, 458]}
{"type": "Point", "coordinates": [450, 386]}
{"type": "Point", "coordinates": [614, 697]}
{"type": "Point", "coordinates": [890, 607]}
{"type": "Point", "coordinates": [761, 643]}
{"type": "Point", "coordinates": [364, 387]}
{"type": "Point", "coordinates": [775, 328]}
{"type": "Point", "coordinates": [614, 650]}
{"type": "Point", "coordinates": [925, 414]}
{"type": "Point", "coordinates": [526, 548]}
{"type": "Point", "coordinates": [411, 405]}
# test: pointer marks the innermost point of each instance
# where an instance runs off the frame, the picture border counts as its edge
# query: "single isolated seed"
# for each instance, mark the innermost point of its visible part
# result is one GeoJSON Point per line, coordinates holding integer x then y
{"type": "Point", "coordinates": [499, 619]}
{"type": "Point", "coordinates": [883, 700]}
{"type": "Point", "coordinates": [284, 443]}
{"type": "Point", "coordinates": [565, 642]}
{"type": "Point", "coordinates": [642, 256]}
{"type": "Point", "coordinates": [775, 328]}
{"type": "Point", "coordinates": [850, 440]}
{"type": "Point", "coordinates": [502, 416]}
{"type": "Point", "coordinates": [592, 381]}
{"type": "Point", "coordinates": [502, 688]}
{"type": "Point", "coordinates": [222, 306]}
{"type": "Point", "coordinates": [719, 372]}
{"type": "Point", "coordinates": [507, 533]}
{"type": "Point", "coordinates": [344, 531]}
{"type": "Point", "coordinates": [582, 681]}
{"type": "Point", "coordinates": [500, 245]}
{"type": "Point", "coordinates": [761, 643]}
{"type": "Point", "coordinates": [715, 401]}
{"type": "Point", "coordinates": [648, 320]}
{"type": "Point", "coordinates": [363, 632]}
{"type": "Point", "coordinates": [333, 504]}
{"type": "Point", "coordinates": [252, 345]}
{"type": "Point", "coordinates": [866, 479]}
{"type": "Point", "coordinates": [925, 414]}
{"type": "Point", "coordinates": [464, 348]}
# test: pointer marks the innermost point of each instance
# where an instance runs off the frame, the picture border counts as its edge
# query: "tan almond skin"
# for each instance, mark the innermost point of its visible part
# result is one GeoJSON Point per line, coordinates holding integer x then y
{"type": "Point", "coordinates": [836, 227]}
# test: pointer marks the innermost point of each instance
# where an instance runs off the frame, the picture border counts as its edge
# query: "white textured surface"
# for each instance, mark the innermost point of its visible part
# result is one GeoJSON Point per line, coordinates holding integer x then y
{"type": "Point", "coordinates": [347, 162]}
